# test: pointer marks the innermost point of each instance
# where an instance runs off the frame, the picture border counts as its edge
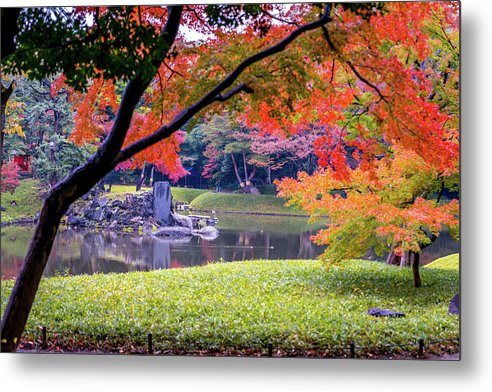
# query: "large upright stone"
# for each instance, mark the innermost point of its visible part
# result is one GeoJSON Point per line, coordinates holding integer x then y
{"type": "Point", "coordinates": [162, 203]}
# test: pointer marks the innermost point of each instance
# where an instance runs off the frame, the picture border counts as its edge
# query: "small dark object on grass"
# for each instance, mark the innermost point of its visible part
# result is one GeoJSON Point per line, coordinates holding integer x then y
{"type": "Point", "coordinates": [454, 305]}
{"type": "Point", "coordinates": [3, 209]}
{"type": "Point", "coordinates": [384, 313]}
{"type": "Point", "coordinates": [13, 203]}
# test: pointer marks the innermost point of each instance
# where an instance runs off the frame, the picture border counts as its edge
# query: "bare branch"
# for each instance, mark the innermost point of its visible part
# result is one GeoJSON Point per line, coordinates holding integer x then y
{"type": "Point", "coordinates": [234, 91]}
{"type": "Point", "coordinates": [349, 63]}
{"type": "Point", "coordinates": [364, 80]}
{"type": "Point", "coordinates": [280, 19]}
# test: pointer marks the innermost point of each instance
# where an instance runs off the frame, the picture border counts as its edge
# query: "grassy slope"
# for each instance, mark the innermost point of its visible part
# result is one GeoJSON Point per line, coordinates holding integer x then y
{"type": "Point", "coordinates": [183, 195]}
{"type": "Point", "coordinates": [201, 199]}
{"type": "Point", "coordinates": [451, 262]}
{"type": "Point", "coordinates": [295, 304]}
{"type": "Point", "coordinates": [269, 204]}
{"type": "Point", "coordinates": [27, 198]}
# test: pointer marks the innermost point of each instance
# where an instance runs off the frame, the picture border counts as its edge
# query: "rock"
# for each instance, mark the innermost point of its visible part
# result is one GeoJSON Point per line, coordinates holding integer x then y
{"type": "Point", "coordinates": [207, 232]}
{"type": "Point", "coordinates": [182, 220]}
{"type": "Point", "coordinates": [117, 203]}
{"type": "Point", "coordinates": [147, 228]}
{"type": "Point", "coordinates": [108, 213]}
{"type": "Point", "coordinates": [384, 313]}
{"type": "Point", "coordinates": [3, 209]}
{"type": "Point", "coordinates": [172, 231]}
{"type": "Point", "coordinates": [73, 220]}
{"type": "Point", "coordinates": [129, 199]}
{"type": "Point", "coordinates": [162, 202]}
{"type": "Point", "coordinates": [138, 220]}
{"type": "Point", "coordinates": [454, 305]}
{"type": "Point", "coordinates": [98, 214]}
{"type": "Point", "coordinates": [103, 202]}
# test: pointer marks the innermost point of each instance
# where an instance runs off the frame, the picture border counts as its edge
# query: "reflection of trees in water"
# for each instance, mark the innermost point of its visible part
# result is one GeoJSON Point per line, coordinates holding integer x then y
{"type": "Point", "coordinates": [10, 265]}
{"type": "Point", "coordinates": [84, 252]}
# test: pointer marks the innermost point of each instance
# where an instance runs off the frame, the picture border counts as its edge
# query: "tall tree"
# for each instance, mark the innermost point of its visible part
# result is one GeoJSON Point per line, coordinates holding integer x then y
{"type": "Point", "coordinates": [130, 44]}
{"type": "Point", "coordinates": [227, 143]}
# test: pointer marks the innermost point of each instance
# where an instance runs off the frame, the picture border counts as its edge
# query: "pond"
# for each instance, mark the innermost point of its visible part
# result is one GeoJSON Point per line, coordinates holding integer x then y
{"type": "Point", "coordinates": [242, 237]}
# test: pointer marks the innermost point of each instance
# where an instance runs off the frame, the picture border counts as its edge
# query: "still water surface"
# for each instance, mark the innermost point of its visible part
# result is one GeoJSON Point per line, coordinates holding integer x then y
{"type": "Point", "coordinates": [78, 251]}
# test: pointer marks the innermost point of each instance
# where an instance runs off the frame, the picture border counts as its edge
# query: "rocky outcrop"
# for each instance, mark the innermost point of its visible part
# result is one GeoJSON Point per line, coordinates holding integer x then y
{"type": "Point", "coordinates": [130, 213]}
{"type": "Point", "coordinates": [136, 213]}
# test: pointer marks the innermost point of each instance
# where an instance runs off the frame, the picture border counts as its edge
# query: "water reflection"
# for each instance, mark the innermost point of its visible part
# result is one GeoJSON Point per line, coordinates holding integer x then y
{"type": "Point", "coordinates": [77, 251]}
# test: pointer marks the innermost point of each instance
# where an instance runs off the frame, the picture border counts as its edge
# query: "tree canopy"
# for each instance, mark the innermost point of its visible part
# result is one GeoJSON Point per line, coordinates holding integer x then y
{"type": "Point", "coordinates": [376, 83]}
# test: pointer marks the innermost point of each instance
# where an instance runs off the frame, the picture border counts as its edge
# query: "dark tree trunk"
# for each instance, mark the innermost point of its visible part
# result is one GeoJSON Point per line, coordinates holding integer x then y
{"type": "Point", "coordinates": [415, 269]}
{"type": "Point", "coordinates": [26, 285]}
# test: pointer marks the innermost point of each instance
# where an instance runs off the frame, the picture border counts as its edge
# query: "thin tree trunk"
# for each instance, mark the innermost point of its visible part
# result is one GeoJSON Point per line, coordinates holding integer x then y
{"type": "Point", "coordinates": [245, 167]}
{"type": "Point", "coordinates": [405, 259]}
{"type": "Point", "coordinates": [393, 259]}
{"type": "Point", "coordinates": [151, 181]}
{"type": "Point", "coordinates": [234, 164]}
{"type": "Point", "coordinates": [53, 178]}
{"type": "Point", "coordinates": [140, 179]}
{"type": "Point", "coordinates": [415, 269]}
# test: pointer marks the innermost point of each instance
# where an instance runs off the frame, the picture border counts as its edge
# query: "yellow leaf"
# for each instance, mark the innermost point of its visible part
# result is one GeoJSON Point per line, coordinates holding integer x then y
{"type": "Point", "coordinates": [16, 129]}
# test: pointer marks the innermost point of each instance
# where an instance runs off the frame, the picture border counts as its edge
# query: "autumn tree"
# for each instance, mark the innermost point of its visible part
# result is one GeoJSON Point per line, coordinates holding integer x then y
{"type": "Point", "coordinates": [392, 141]}
{"type": "Point", "coordinates": [142, 47]}
{"type": "Point", "coordinates": [377, 79]}
{"type": "Point", "coordinates": [10, 177]}
{"type": "Point", "coordinates": [227, 144]}
{"type": "Point", "coordinates": [280, 150]}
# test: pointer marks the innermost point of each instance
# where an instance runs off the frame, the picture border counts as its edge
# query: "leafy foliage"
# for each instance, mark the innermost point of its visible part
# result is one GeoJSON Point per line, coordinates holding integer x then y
{"type": "Point", "coordinates": [10, 177]}
{"type": "Point", "coordinates": [114, 44]}
{"type": "Point", "coordinates": [57, 157]}
{"type": "Point", "coordinates": [390, 141]}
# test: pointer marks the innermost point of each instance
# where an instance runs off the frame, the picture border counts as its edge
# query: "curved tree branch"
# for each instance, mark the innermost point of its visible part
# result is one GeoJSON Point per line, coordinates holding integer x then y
{"type": "Point", "coordinates": [216, 93]}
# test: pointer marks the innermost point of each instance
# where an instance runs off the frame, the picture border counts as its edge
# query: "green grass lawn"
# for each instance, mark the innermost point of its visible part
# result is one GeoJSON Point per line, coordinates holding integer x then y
{"type": "Point", "coordinates": [204, 200]}
{"type": "Point", "coordinates": [265, 204]}
{"type": "Point", "coordinates": [451, 262]}
{"type": "Point", "coordinates": [182, 195]}
{"type": "Point", "coordinates": [28, 201]}
{"type": "Point", "coordinates": [295, 304]}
